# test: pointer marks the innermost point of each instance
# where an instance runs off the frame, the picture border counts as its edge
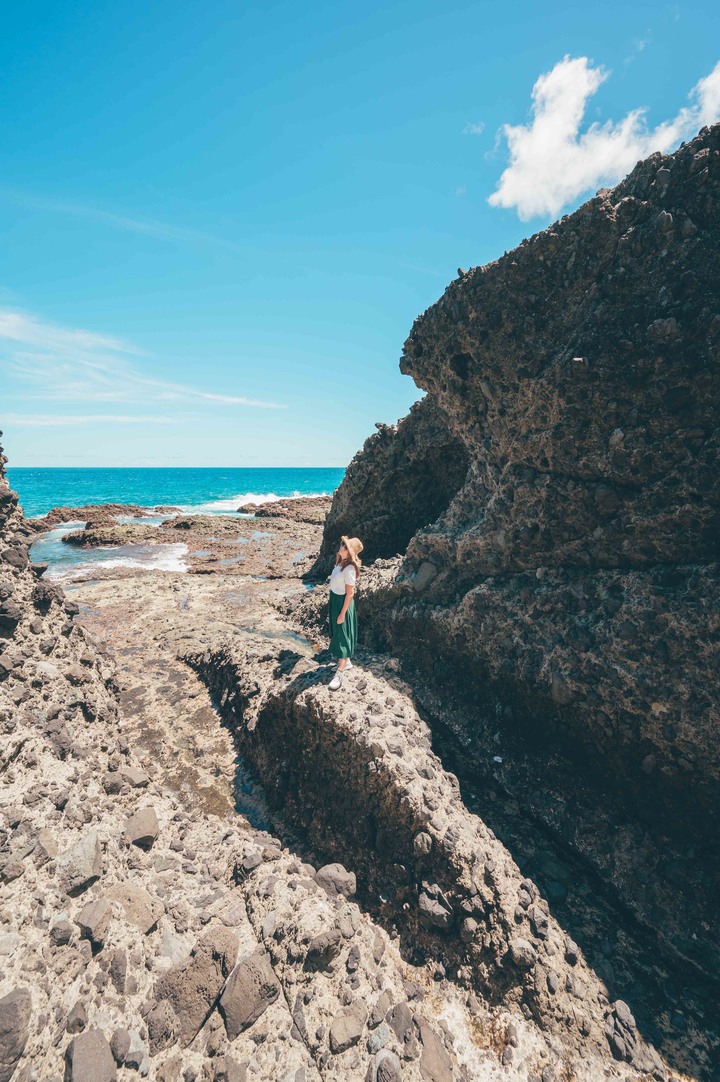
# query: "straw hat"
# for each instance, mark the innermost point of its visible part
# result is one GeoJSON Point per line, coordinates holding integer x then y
{"type": "Point", "coordinates": [354, 546]}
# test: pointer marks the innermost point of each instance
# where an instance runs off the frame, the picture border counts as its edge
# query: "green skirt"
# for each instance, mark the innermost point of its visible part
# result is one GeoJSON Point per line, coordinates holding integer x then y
{"type": "Point", "coordinates": [342, 636]}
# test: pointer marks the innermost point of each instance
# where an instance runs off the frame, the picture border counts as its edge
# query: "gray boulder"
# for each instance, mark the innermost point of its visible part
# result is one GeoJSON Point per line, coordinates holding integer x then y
{"type": "Point", "coordinates": [192, 987]}
{"type": "Point", "coordinates": [334, 879]}
{"type": "Point", "coordinates": [251, 988]}
{"type": "Point", "coordinates": [435, 1063]}
{"type": "Point", "coordinates": [347, 1027]}
{"type": "Point", "coordinates": [387, 1066]}
{"type": "Point", "coordinates": [89, 1059]}
{"type": "Point", "coordinates": [15, 1010]}
{"type": "Point", "coordinates": [81, 865]}
{"type": "Point", "coordinates": [142, 828]}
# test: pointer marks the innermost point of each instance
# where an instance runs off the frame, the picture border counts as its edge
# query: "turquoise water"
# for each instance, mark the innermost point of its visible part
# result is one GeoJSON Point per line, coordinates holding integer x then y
{"type": "Point", "coordinates": [199, 490]}
{"type": "Point", "coordinates": [193, 488]}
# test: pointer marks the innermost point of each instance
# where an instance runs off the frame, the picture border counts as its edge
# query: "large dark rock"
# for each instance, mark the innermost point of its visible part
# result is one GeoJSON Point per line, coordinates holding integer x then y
{"type": "Point", "coordinates": [569, 594]}
{"type": "Point", "coordinates": [576, 566]}
{"type": "Point", "coordinates": [251, 988]}
{"type": "Point", "coordinates": [191, 988]}
{"type": "Point", "coordinates": [15, 1012]}
{"type": "Point", "coordinates": [402, 479]}
{"type": "Point", "coordinates": [89, 1059]}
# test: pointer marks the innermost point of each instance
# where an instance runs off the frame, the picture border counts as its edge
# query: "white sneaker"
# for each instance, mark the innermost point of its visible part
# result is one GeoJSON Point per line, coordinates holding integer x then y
{"type": "Point", "coordinates": [336, 681]}
{"type": "Point", "coordinates": [349, 665]}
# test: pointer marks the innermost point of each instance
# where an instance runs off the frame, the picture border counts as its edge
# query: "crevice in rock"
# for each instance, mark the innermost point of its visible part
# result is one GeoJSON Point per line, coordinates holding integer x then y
{"type": "Point", "coordinates": [675, 997]}
{"type": "Point", "coordinates": [330, 784]}
{"type": "Point", "coordinates": [675, 1004]}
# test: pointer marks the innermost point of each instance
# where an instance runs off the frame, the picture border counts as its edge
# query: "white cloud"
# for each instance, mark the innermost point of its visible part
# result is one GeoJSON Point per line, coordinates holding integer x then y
{"type": "Point", "coordinates": [69, 364]}
{"type": "Point", "coordinates": [474, 129]}
{"type": "Point", "coordinates": [553, 163]}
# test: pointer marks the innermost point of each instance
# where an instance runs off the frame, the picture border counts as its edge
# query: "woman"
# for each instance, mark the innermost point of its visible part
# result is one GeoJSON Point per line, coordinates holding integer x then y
{"type": "Point", "coordinates": [343, 620]}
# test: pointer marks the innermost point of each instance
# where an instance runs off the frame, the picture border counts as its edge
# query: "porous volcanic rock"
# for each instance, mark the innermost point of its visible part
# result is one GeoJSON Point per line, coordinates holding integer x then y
{"type": "Point", "coordinates": [300, 509]}
{"type": "Point", "coordinates": [115, 959]}
{"type": "Point", "coordinates": [581, 373]}
{"type": "Point", "coordinates": [570, 592]}
{"type": "Point", "coordinates": [403, 479]}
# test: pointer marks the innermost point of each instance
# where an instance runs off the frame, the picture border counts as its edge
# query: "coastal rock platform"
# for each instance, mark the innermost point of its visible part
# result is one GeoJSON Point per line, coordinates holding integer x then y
{"type": "Point", "coordinates": [157, 919]}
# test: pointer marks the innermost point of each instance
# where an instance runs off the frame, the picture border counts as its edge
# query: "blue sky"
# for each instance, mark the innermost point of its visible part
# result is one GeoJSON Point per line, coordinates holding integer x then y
{"type": "Point", "coordinates": [220, 220]}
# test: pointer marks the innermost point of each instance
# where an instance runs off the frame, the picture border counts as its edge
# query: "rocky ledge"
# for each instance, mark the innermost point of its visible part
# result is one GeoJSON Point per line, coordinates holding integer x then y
{"type": "Point", "coordinates": [358, 775]}
{"type": "Point", "coordinates": [311, 509]}
{"type": "Point", "coordinates": [143, 935]}
{"type": "Point", "coordinates": [105, 514]}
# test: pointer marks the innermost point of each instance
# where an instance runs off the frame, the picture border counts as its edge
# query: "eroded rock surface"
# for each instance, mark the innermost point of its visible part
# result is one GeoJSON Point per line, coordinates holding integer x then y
{"type": "Point", "coordinates": [130, 913]}
{"type": "Point", "coordinates": [311, 509]}
{"type": "Point", "coordinates": [279, 546]}
{"type": "Point", "coordinates": [566, 603]}
{"type": "Point", "coordinates": [437, 874]}
{"type": "Point", "coordinates": [402, 479]}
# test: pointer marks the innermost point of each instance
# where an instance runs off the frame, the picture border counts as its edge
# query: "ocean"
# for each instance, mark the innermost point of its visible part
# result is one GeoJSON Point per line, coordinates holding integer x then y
{"type": "Point", "coordinates": [200, 490]}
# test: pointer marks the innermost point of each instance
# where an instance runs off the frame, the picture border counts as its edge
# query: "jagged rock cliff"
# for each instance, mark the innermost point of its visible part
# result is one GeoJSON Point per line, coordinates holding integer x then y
{"type": "Point", "coordinates": [568, 599]}
{"type": "Point", "coordinates": [402, 480]}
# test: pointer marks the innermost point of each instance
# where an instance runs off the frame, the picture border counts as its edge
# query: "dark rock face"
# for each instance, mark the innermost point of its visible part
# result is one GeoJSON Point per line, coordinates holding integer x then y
{"type": "Point", "coordinates": [402, 479]}
{"type": "Point", "coordinates": [571, 588]}
{"type": "Point", "coordinates": [581, 372]}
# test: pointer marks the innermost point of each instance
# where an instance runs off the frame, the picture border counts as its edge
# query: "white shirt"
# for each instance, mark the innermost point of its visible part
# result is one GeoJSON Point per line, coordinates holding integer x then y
{"type": "Point", "coordinates": [342, 577]}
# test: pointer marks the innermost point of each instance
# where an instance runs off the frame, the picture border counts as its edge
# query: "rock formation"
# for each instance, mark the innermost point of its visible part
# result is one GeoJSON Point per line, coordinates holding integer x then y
{"type": "Point", "coordinates": [138, 935]}
{"type": "Point", "coordinates": [105, 514]}
{"type": "Point", "coordinates": [556, 498]}
{"type": "Point", "coordinates": [428, 867]}
{"type": "Point", "coordinates": [402, 480]}
{"type": "Point", "coordinates": [311, 509]}
{"type": "Point", "coordinates": [141, 935]}
{"type": "Point", "coordinates": [566, 603]}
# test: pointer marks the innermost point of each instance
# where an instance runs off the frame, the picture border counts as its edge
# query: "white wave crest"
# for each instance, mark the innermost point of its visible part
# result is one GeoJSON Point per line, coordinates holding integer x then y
{"type": "Point", "coordinates": [161, 558]}
{"type": "Point", "coordinates": [234, 502]}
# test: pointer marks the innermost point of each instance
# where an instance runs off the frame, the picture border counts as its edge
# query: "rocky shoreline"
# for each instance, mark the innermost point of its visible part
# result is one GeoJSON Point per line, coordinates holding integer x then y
{"type": "Point", "coordinates": [493, 854]}
{"type": "Point", "coordinates": [150, 927]}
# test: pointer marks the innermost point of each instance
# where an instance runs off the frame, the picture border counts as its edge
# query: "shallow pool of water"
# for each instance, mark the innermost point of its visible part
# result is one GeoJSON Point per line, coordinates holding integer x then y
{"type": "Point", "coordinates": [68, 562]}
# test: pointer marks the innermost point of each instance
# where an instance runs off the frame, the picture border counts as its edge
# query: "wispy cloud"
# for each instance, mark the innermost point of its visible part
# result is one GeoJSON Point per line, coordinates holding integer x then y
{"type": "Point", "coordinates": [127, 222]}
{"type": "Point", "coordinates": [130, 222]}
{"type": "Point", "coordinates": [474, 129]}
{"type": "Point", "coordinates": [638, 46]}
{"type": "Point", "coordinates": [552, 163]}
{"type": "Point", "coordinates": [64, 363]}
{"type": "Point", "coordinates": [49, 420]}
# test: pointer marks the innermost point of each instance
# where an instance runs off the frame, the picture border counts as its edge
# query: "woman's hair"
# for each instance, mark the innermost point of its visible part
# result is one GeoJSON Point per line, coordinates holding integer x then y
{"type": "Point", "coordinates": [353, 548]}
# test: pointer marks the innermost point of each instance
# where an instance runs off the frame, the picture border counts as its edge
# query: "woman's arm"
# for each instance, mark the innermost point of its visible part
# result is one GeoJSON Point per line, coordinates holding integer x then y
{"type": "Point", "coordinates": [349, 593]}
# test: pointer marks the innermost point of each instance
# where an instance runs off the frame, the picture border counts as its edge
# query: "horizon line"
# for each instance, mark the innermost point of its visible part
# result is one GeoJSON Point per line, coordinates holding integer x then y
{"type": "Point", "coordinates": [225, 467]}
